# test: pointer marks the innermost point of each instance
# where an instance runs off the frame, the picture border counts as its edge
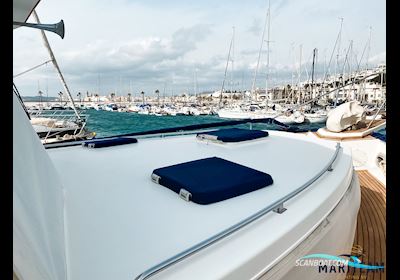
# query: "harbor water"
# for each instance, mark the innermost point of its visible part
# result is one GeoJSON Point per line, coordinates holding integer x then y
{"type": "Point", "coordinates": [108, 123]}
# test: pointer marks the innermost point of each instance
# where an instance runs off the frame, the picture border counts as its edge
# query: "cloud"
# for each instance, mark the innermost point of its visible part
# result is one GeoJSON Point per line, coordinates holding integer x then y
{"type": "Point", "coordinates": [256, 27]}
{"type": "Point", "coordinates": [147, 59]}
{"type": "Point", "coordinates": [149, 43]}
{"type": "Point", "coordinates": [379, 58]}
{"type": "Point", "coordinates": [279, 6]}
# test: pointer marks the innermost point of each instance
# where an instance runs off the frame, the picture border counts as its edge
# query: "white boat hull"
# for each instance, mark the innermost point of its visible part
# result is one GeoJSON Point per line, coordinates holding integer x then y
{"type": "Point", "coordinates": [313, 118]}
{"type": "Point", "coordinates": [226, 114]}
{"type": "Point", "coordinates": [340, 226]}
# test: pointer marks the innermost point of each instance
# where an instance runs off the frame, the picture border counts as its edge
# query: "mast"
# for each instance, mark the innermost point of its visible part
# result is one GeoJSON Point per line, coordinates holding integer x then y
{"type": "Point", "coordinates": [369, 47]}
{"type": "Point", "coordinates": [346, 60]}
{"type": "Point", "coordinates": [242, 86]}
{"type": "Point", "coordinates": [299, 74]}
{"type": "Point", "coordinates": [339, 40]}
{"type": "Point", "coordinates": [47, 91]}
{"type": "Point", "coordinates": [226, 68]}
{"type": "Point", "coordinates": [337, 60]}
{"type": "Point", "coordinates": [312, 71]}
{"type": "Point", "coordinates": [232, 58]}
{"type": "Point", "coordinates": [165, 85]}
{"type": "Point", "coordinates": [53, 59]}
{"type": "Point", "coordinates": [292, 84]}
{"type": "Point", "coordinates": [195, 83]}
{"type": "Point", "coordinates": [268, 41]}
{"type": "Point", "coordinates": [259, 56]}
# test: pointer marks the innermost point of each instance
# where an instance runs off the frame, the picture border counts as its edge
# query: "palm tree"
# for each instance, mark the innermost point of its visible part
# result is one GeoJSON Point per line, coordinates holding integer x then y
{"type": "Point", "coordinates": [158, 97]}
{"type": "Point", "coordinates": [79, 96]}
{"type": "Point", "coordinates": [112, 96]}
{"type": "Point", "coordinates": [60, 94]}
{"type": "Point", "coordinates": [129, 97]}
{"type": "Point", "coordinates": [142, 93]}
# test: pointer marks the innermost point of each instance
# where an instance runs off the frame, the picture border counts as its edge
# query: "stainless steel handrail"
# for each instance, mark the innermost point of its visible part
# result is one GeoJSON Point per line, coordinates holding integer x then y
{"type": "Point", "coordinates": [62, 116]}
{"type": "Point", "coordinates": [277, 206]}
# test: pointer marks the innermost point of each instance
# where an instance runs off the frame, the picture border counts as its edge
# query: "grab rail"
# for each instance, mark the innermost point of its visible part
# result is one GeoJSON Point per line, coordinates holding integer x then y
{"type": "Point", "coordinates": [276, 207]}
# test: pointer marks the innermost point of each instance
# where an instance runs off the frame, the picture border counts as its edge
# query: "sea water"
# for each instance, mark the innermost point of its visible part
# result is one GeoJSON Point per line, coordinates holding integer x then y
{"type": "Point", "coordinates": [107, 123]}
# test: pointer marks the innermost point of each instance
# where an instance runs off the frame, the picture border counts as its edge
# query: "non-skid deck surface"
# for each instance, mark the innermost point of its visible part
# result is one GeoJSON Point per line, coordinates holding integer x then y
{"type": "Point", "coordinates": [371, 228]}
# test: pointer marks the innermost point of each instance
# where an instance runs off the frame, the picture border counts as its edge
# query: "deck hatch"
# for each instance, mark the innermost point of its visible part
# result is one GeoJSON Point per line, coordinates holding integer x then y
{"type": "Point", "coordinates": [231, 135]}
{"type": "Point", "coordinates": [210, 180]}
{"type": "Point", "coordinates": [101, 143]}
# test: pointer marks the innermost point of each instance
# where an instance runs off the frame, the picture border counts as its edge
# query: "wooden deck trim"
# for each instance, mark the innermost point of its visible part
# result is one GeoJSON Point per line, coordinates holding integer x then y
{"type": "Point", "coordinates": [344, 138]}
{"type": "Point", "coordinates": [371, 227]}
{"type": "Point", "coordinates": [374, 123]}
{"type": "Point", "coordinates": [344, 135]}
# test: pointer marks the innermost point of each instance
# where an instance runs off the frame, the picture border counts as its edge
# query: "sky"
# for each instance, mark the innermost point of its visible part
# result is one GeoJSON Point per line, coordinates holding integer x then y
{"type": "Point", "coordinates": [177, 46]}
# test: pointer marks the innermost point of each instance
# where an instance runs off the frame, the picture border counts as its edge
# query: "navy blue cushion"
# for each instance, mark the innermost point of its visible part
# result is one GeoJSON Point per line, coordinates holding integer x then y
{"type": "Point", "coordinates": [210, 180]}
{"type": "Point", "coordinates": [379, 135]}
{"type": "Point", "coordinates": [233, 135]}
{"type": "Point", "coordinates": [109, 142]}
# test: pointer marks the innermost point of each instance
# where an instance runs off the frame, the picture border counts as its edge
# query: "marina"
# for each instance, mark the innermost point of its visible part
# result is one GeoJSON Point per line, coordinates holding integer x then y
{"type": "Point", "coordinates": [282, 181]}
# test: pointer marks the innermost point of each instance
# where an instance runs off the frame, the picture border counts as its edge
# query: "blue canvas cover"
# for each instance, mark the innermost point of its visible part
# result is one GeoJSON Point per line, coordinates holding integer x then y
{"type": "Point", "coordinates": [109, 142]}
{"type": "Point", "coordinates": [210, 180]}
{"type": "Point", "coordinates": [233, 135]}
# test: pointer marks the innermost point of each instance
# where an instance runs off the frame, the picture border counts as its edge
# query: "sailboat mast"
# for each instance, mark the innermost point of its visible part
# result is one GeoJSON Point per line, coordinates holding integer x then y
{"type": "Point", "coordinates": [339, 40]}
{"type": "Point", "coordinates": [268, 42]}
{"type": "Point", "coordinates": [369, 46]}
{"type": "Point", "coordinates": [312, 72]}
{"type": "Point", "coordinates": [258, 60]}
{"type": "Point", "coordinates": [53, 59]}
{"type": "Point", "coordinates": [337, 60]}
{"type": "Point", "coordinates": [232, 58]}
{"type": "Point", "coordinates": [195, 83]}
{"type": "Point", "coordinates": [299, 75]}
{"type": "Point", "coordinates": [226, 68]}
{"type": "Point", "coordinates": [47, 90]}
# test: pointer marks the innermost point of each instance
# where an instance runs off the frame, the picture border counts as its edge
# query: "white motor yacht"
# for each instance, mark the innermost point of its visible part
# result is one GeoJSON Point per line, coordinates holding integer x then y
{"type": "Point", "coordinates": [134, 227]}
{"type": "Point", "coordinates": [104, 209]}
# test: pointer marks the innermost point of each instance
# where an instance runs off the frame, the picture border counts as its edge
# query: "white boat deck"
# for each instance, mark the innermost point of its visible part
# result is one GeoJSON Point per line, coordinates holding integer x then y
{"type": "Point", "coordinates": [120, 223]}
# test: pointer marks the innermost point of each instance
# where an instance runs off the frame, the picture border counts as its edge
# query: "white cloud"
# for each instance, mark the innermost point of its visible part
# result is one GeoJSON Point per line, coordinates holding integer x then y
{"type": "Point", "coordinates": [147, 43]}
{"type": "Point", "coordinates": [379, 58]}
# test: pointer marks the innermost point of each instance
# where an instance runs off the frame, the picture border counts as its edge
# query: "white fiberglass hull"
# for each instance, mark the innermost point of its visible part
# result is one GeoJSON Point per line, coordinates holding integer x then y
{"type": "Point", "coordinates": [226, 114]}
{"type": "Point", "coordinates": [315, 118]}
{"type": "Point", "coordinates": [339, 225]}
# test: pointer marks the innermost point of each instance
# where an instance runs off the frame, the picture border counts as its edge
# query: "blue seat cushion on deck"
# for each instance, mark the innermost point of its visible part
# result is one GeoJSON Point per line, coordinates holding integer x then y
{"type": "Point", "coordinates": [233, 134]}
{"type": "Point", "coordinates": [211, 180]}
{"type": "Point", "coordinates": [109, 142]}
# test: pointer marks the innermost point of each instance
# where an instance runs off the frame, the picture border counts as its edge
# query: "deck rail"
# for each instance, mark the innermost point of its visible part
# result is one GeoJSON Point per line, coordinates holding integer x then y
{"type": "Point", "coordinates": [277, 207]}
{"type": "Point", "coordinates": [60, 117]}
